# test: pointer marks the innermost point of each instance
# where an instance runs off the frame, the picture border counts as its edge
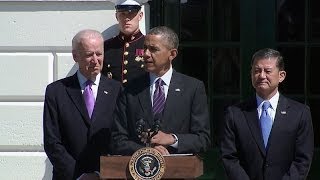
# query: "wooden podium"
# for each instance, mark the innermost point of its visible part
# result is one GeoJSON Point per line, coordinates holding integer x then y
{"type": "Point", "coordinates": [177, 167]}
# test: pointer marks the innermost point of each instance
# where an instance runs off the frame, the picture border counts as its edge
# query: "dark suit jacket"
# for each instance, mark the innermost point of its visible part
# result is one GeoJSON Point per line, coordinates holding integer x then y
{"type": "Point", "coordinates": [185, 114]}
{"type": "Point", "coordinates": [289, 149]}
{"type": "Point", "coordinates": [73, 141]}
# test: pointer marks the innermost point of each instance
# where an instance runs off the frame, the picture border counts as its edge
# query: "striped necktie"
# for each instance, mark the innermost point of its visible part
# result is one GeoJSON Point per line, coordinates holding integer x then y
{"type": "Point", "coordinates": [158, 97]}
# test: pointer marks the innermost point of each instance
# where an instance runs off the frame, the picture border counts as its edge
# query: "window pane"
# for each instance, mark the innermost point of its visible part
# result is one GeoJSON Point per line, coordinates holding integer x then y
{"type": "Point", "coordinates": [198, 23]}
{"type": "Point", "coordinates": [226, 71]}
{"type": "Point", "coordinates": [194, 62]}
{"type": "Point", "coordinates": [314, 70]}
{"type": "Point", "coordinates": [315, 20]}
{"type": "Point", "coordinates": [194, 14]}
{"type": "Point", "coordinates": [294, 66]}
{"type": "Point", "coordinates": [291, 20]}
{"type": "Point", "coordinates": [226, 20]}
{"type": "Point", "coordinates": [218, 108]}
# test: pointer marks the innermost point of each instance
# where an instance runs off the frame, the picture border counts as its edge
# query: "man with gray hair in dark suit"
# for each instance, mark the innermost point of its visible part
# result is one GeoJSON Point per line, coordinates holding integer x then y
{"type": "Point", "coordinates": [268, 136]}
{"type": "Point", "coordinates": [78, 111]}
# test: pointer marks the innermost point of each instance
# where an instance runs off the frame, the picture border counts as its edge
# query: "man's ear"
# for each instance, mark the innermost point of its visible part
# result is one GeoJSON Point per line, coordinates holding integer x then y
{"type": "Point", "coordinates": [140, 15]}
{"type": "Point", "coordinates": [282, 75]}
{"type": "Point", "coordinates": [173, 54]}
{"type": "Point", "coordinates": [116, 15]}
{"type": "Point", "coordinates": [74, 55]}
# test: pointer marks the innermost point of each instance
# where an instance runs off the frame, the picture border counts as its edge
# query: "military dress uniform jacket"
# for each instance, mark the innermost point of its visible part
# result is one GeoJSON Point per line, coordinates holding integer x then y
{"type": "Point", "coordinates": [123, 59]}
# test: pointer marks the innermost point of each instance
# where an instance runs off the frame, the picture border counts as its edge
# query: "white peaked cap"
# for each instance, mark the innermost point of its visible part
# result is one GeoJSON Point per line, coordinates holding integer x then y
{"type": "Point", "coordinates": [129, 2]}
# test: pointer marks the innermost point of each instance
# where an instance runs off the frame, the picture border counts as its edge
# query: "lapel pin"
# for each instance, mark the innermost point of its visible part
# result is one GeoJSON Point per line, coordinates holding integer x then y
{"type": "Point", "coordinates": [283, 112]}
{"type": "Point", "coordinates": [177, 90]}
{"type": "Point", "coordinates": [106, 92]}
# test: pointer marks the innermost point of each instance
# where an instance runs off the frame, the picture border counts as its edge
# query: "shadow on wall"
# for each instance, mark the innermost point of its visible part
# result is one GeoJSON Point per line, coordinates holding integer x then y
{"type": "Point", "coordinates": [48, 171]}
{"type": "Point", "coordinates": [73, 70]}
{"type": "Point", "coordinates": [110, 32]}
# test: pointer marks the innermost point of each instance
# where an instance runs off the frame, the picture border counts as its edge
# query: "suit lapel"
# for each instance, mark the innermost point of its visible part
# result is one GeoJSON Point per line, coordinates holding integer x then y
{"type": "Point", "coordinates": [175, 92]}
{"type": "Point", "coordinates": [103, 96]}
{"type": "Point", "coordinates": [74, 91]}
{"type": "Point", "coordinates": [279, 120]}
{"type": "Point", "coordinates": [252, 118]}
{"type": "Point", "coordinates": [145, 99]}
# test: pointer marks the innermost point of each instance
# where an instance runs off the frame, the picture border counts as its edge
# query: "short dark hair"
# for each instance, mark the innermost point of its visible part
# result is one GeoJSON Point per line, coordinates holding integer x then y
{"type": "Point", "coordinates": [167, 34]}
{"type": "Point", "coordinates": [268, 53]}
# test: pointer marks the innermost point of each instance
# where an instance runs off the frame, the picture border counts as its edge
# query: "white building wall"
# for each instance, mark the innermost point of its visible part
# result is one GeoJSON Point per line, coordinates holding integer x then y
{"type": "Point", "coordinates": [35, 46]}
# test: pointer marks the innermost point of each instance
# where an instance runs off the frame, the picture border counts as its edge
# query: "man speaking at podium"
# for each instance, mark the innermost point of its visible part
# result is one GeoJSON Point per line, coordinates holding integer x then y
{"type": "Point", "coordinates": [171, 105]}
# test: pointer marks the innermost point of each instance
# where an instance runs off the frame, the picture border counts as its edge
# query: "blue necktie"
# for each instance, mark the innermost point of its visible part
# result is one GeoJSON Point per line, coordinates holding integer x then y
{"type": "Point", "coordinates": [158, 97]}
{"type": "Point", "coordinates": [265, 122]}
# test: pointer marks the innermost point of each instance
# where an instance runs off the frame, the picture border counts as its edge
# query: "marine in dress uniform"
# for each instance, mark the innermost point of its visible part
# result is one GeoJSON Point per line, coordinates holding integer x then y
{"type": "Point", "coordinates": [123, 59]}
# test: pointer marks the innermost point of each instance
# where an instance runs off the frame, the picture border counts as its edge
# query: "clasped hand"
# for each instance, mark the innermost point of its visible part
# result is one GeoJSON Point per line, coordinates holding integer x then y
{"type": "Point", "coordinates": [159, 140]}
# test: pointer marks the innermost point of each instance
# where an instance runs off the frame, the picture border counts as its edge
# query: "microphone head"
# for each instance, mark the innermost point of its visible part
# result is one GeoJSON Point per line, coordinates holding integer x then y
{"type": "Point", "coordinates": [157, 122]}
{"type": "Point", "coordinates": [140, 126]}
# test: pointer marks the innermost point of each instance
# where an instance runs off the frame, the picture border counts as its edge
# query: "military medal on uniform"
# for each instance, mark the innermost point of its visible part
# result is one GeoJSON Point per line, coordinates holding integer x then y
{"type": "Point", "coordinates": [139, 54]}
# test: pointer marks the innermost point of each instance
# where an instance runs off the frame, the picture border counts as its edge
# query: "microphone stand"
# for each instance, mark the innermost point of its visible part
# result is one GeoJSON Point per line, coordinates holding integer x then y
{"type": "Point", "coordinates": [148, 142]}
{"type": "Point", "coordinates": [140, 128]}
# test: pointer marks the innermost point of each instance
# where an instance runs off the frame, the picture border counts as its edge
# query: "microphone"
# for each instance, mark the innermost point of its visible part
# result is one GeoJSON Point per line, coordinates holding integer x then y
{"type": "Point", "coordinates": [157, 124]}
{"type": "Point", "coordinates": [140, 126]}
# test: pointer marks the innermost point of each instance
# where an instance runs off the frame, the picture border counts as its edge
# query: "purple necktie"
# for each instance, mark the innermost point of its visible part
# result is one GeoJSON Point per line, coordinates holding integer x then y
{"type": "Point", "coordinates": [88, 97]}
{"type": "Point", "coordinates": [158, 97]}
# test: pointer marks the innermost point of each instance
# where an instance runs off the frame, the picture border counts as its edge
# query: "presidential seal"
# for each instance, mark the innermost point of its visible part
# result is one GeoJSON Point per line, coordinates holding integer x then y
{"type": "Point", "coordinates": [147, 163]}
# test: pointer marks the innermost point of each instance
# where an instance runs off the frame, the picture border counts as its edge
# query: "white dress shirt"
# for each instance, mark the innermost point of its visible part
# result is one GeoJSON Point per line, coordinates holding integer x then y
{"type": "Point", "coordinates": [166, 78]}
{"type": "Point", "coordinates": [273, 102]}
{"type": "Point", "coordinates": [95, 85]}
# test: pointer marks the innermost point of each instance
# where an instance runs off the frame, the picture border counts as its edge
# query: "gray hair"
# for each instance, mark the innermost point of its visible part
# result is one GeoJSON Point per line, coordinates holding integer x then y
{"type": "Point", "coordinates": [167, 34]}
{"type": "Point", "coordinates": [83, 34]}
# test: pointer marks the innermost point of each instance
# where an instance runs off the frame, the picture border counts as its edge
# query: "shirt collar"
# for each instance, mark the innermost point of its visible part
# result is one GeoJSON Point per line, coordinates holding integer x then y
{"type": "Point", "coordinates": [130, 38]}
{"type": "Point", "coordinates": [166, 77]}
{"type": "Point", "coordinates": [82, 79]}
{"type": "Point", "coordinates": [273, 101]}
